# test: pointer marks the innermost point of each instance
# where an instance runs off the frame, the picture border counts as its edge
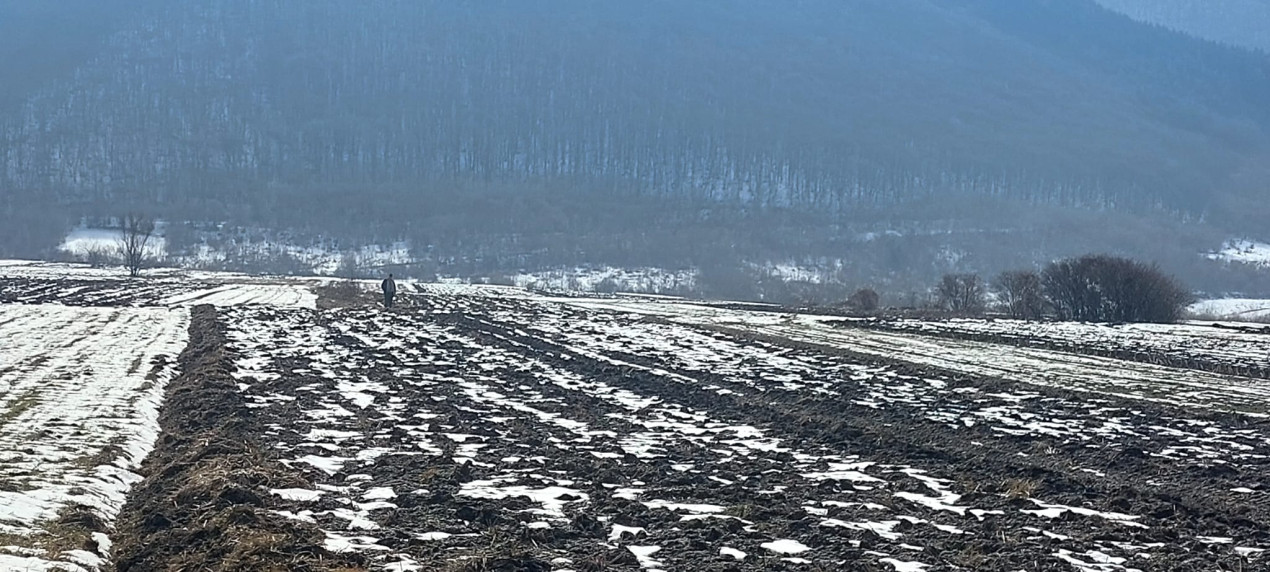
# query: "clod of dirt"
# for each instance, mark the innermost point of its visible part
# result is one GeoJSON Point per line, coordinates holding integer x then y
{"type": "Point", "coordinates": [81, 517]}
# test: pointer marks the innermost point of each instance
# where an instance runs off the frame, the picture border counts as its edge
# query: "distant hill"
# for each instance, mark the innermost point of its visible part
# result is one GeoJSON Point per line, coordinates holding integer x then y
{"type": "Point", "coordinates": [1235, 22]}
{"type": "Point", "coordinates": [293, 109]}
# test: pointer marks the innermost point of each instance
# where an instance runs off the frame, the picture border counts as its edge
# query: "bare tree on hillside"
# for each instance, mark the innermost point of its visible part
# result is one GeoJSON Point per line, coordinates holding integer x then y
{"type": "Point", "coordinates": [961, 293]}
{"type": "Point", "coordinates": [133, 241]}
{"type": "Point", "coordinates": [1021, 294]}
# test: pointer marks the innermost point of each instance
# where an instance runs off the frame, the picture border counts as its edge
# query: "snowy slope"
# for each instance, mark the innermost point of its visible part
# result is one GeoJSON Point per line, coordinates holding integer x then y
{"type": "Point", "coordinates": [1243, 252]}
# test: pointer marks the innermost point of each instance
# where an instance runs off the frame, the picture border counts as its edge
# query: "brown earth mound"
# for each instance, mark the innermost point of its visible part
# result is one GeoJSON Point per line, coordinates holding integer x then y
{"type": "Point", "coordinates": [205, 501]}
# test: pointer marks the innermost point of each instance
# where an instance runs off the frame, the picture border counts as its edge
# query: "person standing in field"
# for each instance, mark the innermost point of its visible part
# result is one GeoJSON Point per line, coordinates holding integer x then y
{"type": "Point", "coordinates": [389, 286]}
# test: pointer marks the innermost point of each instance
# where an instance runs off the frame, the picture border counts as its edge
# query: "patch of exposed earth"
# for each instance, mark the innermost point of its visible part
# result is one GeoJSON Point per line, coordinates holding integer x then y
{"type": "Point", "coordinates": [467, 430]}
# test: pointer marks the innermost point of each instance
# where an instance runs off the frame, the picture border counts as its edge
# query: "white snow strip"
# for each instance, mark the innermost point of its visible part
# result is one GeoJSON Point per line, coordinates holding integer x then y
{"type": "Point", "coordinates": [244, 294]}
{"type": "Point", "coordinates": [727, 551]}
{"type": "Point", "coordinates": [298, 495]}
{"type": "Point", "coordinates": [379, 493]}
{"type": "Point", "coordinates": [785, 546]}
{"type": "Point", "coordinates": [328, 465]}
{"type": "Point", "coordinates": [1056, 510]}
{"type": "Point", "coordinates": [685, 507]}
{"type": "Point", "coordinates": [552, 499]}
{"type": "Point", "coordinates": [644, 554]}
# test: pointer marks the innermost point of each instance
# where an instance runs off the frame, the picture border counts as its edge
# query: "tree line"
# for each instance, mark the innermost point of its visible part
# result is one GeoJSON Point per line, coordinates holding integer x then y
{"type": "Point", "coordinates": [1091, 288]}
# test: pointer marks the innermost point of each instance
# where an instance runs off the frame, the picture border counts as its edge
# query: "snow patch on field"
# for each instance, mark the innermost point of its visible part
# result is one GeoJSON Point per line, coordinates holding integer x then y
{"type": "Point", "coordinates": [551, 499]}
{"type": "Point", "coordinates": [785, 546]}
{"type": "Point", "coordinates": [243, 294]}
{"type": "Point", "coordinates": [644, 554]}
{"type": "Point", "coordinates": [1029, 365]}
{"type": "Point", "coordinates": [75, 384]}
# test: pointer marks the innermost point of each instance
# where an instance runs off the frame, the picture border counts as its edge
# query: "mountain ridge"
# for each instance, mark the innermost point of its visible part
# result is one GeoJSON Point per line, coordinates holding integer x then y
{"type": "Point", "coordinates": [220, 109]}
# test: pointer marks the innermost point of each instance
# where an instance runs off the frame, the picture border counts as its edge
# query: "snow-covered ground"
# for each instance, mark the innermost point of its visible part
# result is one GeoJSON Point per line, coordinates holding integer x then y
{"type": "Point", "coordinates": [253, 251]}
{"type": "Point", "coordinates": [458, 376]}
{"type": "Point", "coordinates": [1236, 309]}
{"type": "Point", "coordinates": [296, 295]}
{"type": "Point", "coordinates": [1243, 252]}
{"type": "Point", "coordinates": [80, 390]}
{"type": "Point", "coordinates": [1219, 349]}
{"type": "Point", "coordinates": [82, 241]}
{"type": "Point", "coordinates": [677, 434]}
{"type": "Point", "coordinates": [1023, 364]}
{"type": "Point", "coordinates": [323, 261]}
{"type": "Point", "coordinates": [75, 271]}
{"type": "Point", "coordinates": [80, 285]}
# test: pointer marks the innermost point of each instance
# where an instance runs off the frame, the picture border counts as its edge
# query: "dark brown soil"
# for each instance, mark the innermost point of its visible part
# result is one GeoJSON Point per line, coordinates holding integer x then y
{"type": "Point", "coordinates": [1183, 501]}
{"type": "Point", "coordinates": [204, 503]}
{"type": "Point", "coordinates": [1178, 501]}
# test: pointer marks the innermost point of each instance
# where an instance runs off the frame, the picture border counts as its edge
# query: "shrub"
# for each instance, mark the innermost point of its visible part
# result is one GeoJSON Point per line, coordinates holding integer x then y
{"type": "Point", "coordinates": [1101, 288]}
{"type": "Point", "coordinates": [98, 256]}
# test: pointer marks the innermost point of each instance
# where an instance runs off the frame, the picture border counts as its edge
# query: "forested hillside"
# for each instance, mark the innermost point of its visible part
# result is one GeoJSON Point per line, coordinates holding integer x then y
{"type": "Point", "coordinates": [819, 104]}
{"type": "Point", "coordinates": [409, 115]}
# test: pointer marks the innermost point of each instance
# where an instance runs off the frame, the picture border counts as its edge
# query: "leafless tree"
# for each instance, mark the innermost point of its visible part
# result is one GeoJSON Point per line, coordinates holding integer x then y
{"type": "Point", "coordinates": [134, 240]}
{"type": "Point", "coordinates": [1105, 288]}
{"type": "Point", "coordinates": [1021, 294]}
{"type": "Point", "coordinates": [961, 293]}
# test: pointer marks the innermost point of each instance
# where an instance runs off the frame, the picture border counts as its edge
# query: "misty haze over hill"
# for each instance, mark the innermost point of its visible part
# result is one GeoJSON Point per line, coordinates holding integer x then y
{"type": "Point", "coordinates": [1243, 23]}
{"type": "Point", "coordinates": [977, 133]}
